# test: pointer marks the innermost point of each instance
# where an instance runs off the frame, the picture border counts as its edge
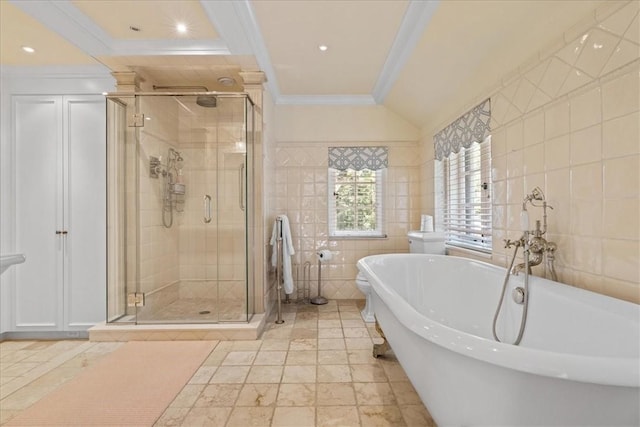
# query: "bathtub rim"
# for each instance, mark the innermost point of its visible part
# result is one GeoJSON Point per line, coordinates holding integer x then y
{"type": "Point", "coordinates": [611, 371]}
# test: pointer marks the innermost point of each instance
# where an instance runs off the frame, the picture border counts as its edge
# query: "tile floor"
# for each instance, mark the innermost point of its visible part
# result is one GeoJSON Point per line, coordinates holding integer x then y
{"type": "Point", "coordinates": [316, 369]}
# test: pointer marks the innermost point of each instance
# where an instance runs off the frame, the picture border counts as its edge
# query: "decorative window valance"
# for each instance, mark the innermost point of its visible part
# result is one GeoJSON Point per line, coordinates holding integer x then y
{"type": "Point", "coordinates": [471, 127]}
{"type": "Point", "coordinates": [358, 158]}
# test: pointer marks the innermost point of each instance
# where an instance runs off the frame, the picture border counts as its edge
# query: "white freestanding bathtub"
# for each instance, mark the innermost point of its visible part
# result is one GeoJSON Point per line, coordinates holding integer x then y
{"type": "Point", "coordinates": [578, 362]}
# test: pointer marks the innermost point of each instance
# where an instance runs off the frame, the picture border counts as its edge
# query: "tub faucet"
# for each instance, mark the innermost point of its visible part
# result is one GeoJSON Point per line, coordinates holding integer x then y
{"type": "Point", "coordinates": [538, 247]}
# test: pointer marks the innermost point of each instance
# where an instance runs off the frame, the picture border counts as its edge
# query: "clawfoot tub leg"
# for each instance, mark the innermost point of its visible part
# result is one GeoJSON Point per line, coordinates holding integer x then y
{"type": "Point", "coordinates": [380, 349]}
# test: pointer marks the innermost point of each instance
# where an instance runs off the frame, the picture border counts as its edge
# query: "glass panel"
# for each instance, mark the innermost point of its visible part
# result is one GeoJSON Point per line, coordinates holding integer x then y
{"type": "Point", "coordinates": [178, 208]}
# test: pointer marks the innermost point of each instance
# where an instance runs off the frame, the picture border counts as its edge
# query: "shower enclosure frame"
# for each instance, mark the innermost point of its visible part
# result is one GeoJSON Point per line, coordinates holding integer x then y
{"type": "Point", "coordinates": [126, 166]}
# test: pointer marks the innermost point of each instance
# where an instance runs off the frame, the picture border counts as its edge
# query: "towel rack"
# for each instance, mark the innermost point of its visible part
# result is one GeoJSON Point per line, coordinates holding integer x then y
{"type": "Point", "coordinates": [279, 268]}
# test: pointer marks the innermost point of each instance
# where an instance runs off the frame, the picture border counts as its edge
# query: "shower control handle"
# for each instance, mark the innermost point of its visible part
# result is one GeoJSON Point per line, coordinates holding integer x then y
{"type": "Point", "coordinates": [207, 209]}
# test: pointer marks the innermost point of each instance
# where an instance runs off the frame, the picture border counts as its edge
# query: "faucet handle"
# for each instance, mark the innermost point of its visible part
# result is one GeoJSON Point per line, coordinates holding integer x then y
{"type": "Point", "coordinates": [508, 243]}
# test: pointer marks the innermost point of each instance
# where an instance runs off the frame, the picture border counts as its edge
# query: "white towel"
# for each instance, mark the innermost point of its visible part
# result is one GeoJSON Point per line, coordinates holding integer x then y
{"type": "Point", "coordinates": [287, 251]}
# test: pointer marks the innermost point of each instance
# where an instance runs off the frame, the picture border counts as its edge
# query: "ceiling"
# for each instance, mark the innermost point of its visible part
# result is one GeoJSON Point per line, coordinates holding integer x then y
{"type": "Point", "coordinates": [416, 57]}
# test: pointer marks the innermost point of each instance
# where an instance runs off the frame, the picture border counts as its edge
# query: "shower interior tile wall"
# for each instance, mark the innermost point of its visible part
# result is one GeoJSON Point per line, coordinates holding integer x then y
{"type": "Point", "coordinates": [568, 122]}
{"type": "Point", "coordinates": [301, 193]}
{"type": "Point", "coordinates": [202, 261]}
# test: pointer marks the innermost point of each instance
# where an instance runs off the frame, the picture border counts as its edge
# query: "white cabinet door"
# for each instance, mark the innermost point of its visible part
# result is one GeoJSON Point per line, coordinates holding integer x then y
{"type": "Point", "coordinates": [38, 149]}
{"type": "Point", "coordinates": [60, 212]}
{"type": "Point", "coordinates": [85, 216]}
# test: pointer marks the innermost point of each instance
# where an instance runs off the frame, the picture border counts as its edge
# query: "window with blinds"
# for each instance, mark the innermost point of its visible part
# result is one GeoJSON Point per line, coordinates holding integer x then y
{"type": "Point", "coordinates": [355, 203]}
{"type": "Point", "coordinates": [466, 197]}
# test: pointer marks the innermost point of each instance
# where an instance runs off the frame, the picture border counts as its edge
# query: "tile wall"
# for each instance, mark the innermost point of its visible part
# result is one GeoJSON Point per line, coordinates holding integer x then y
{"type": "Point", "coordinates": [301, 193]}
{"type": "Point", "coordinates": [202, 260]}
{"type": "Point", "coordinates": [568, 121]}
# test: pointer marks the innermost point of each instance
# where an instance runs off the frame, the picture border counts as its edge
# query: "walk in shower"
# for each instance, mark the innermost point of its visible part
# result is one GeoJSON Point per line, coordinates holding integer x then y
{"type": "Point", "coordinates": [179, 207]}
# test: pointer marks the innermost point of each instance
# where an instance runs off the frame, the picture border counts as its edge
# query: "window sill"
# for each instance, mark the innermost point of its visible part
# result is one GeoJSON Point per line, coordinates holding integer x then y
{"type": "Point", "coordinates": [384, 236]}
{"type": "Point", "coordinates": [468, 253]}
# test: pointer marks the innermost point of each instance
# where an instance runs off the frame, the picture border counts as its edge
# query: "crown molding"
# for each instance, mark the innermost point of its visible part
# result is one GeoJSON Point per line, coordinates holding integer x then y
{"type": "Point", "coordinates": [325, 100]}
{"type": "Point", "coordinates": [63, 18]}
{"type": "Point", "coordinates": [414, 22]}
{"type": "Point", "coordinates": [240, 33]}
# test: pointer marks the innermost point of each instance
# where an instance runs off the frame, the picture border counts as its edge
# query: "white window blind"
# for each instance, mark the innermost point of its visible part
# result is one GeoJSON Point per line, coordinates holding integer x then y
{"type": "Point", "coordinates": [356, 203]}
{"type": "Point", "coordinates": [466, 204]}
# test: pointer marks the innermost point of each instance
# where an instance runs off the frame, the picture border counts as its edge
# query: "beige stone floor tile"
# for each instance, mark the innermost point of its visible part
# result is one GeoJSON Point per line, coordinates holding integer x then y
{"type": "Point", "coordinates": [393, 370]}
{"type": "Point", "coordinates": [245, 345]}
{"type": "Point", "coordinates": [299, 374]}
{"type": "Point", "coordinates": [6, 415]}
{"type": "Point", "coordinates": [353, 323]}
{"type": "Point", "coordinates": [333, 394]}
{"type": "Point", "coordinates": [239, 358]}
{"type": "Point", "coordinates": [362, 357]}
{"type": "Point", "coordinates": [331, 344]}
{"type": "Point", "coordinates": [350, 315]}
{"type": "Point", "coordinates": [305, 324]}
{"type": "Point", "coordinates": [356, 333]}
{"type": "Point", "coordinates": [297, 395]}
{"type": "Point", "coordinates": [218, 395]}
{"type": "Point", "coordinates": [374, 394]}
{"type": "Point", "coordinates": [242, 416]}
{"type": "Point", "coordinates": [358, 343]}
{"type": "Point", "coordinates": [305, 357]}
{"type": "Point", "coordinates": [24, 397]}
{"type": "Point", "coordinates": [330, 333]}
{"type": "Point", "coordinates": [18, 369]}
{"type": "Point", "coordinates": [270, 358]}
{"type": "Point", "coordinates": [329, 315]}
{"type": "Point", "coordinates": [258, 395]}
{"type": "Point", "coordinates": [276, 333]}
{"type": "Point", "coordinates": [381, 416]}
{"type": "Point", "coordinates": [299, 344]}
{"type": "Point", "coordinates": [405, 393]}
{"type": "Point", "coordinates": [334, 374]}
{"type": "Point", "coordinates": [417, 415]}
{"type": "Point", "coordinates": [216, 357]}
{"type": "Point", "coordinates": [294, 417]}
{"type": "Point", "coordinates": [332, 357]}
{"type": "Point", "coordinates": [206, 417]}
{"type": "Point", "coordinates": [368, 373]}
{"type": "Point", "coordinates": [187, 396]}
{"type": "Point", "coordinates": [230, 374]}
{"type": "Point", "coordinates": [304, 333]}
{"type": "Point", "coordinates": [203, 375]}
{"type": "Point", "coordinates": [333, 323]}
{"type": "Point", "coordinates": [265, 374]}
{"type": "Point", "coordinates": [274, 344]}
{"type": "Point", "coordinates": [337, 416]}
{"type": "Point", "coordinates": [172, 417]}
{"type": "Point", "coordinates": [287, 377]}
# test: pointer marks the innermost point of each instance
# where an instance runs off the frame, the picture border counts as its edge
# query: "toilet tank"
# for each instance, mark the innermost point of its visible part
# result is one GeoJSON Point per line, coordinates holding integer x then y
{"type": "Point", "coordinates": [430, 242]}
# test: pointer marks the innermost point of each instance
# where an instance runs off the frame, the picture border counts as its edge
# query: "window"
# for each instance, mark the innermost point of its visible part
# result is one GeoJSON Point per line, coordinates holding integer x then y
{"type": "Point", "coordinates": [355, 203]}
{"type": "Point", "coordinates": [466, 196]}
{"type": "Point", "coordinates": [463, 179]}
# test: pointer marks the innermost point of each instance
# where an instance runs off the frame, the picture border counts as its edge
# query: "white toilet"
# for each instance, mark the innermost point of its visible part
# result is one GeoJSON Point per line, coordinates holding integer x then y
{"type": "Point", "coordinates": [420, 243]}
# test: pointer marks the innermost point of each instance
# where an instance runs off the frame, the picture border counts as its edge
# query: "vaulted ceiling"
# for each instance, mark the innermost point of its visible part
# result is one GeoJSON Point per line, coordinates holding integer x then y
{"type": "Point", "coordinates": [416, 57]}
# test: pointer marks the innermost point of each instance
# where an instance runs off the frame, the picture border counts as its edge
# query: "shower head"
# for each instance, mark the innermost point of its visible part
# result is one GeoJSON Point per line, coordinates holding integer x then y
{"type": "Point", "coordinates": [207, 101]}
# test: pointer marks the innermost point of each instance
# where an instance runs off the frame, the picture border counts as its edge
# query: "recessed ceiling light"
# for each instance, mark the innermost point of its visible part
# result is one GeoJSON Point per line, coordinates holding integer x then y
{"type": "Point", "coordinates": [226, 81]}
{"type": "Point", "coordinates": [181, 28]}
{"type": "Point", "coordinates": [323, 47]}
{"type": "Point", "coordinates": [28, 49]}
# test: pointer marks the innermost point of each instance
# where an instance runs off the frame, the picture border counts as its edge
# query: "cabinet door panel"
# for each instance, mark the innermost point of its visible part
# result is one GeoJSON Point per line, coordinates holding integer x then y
{"type": "Point", "coordinates": [38, 148]}
{"type": "Point", "coordinates": [85, 278]}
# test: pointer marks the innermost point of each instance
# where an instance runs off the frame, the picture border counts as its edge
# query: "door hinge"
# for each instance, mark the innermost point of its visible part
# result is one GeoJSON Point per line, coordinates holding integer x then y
{"type": "Point", "coordinates": [135, 299]}
{"type": "Point", "coordinates": [136, 120]}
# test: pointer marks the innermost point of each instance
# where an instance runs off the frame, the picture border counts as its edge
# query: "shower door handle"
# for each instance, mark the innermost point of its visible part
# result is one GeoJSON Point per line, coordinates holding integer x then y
{"type": "Point", "coordinates": [207, 209]}
{"type": "Point", "coordinates": [241, 192]}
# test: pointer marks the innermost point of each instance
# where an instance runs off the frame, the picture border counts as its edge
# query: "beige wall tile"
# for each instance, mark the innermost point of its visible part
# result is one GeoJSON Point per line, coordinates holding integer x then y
{"type": "Point", "coordinates": [621, 177]}
{"type": "Point", "coordinates": [620, 95]}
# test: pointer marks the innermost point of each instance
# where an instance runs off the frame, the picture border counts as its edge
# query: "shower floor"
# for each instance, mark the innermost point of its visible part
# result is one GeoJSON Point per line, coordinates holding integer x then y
{"type": "Point", "coordinates": [196, 310]}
